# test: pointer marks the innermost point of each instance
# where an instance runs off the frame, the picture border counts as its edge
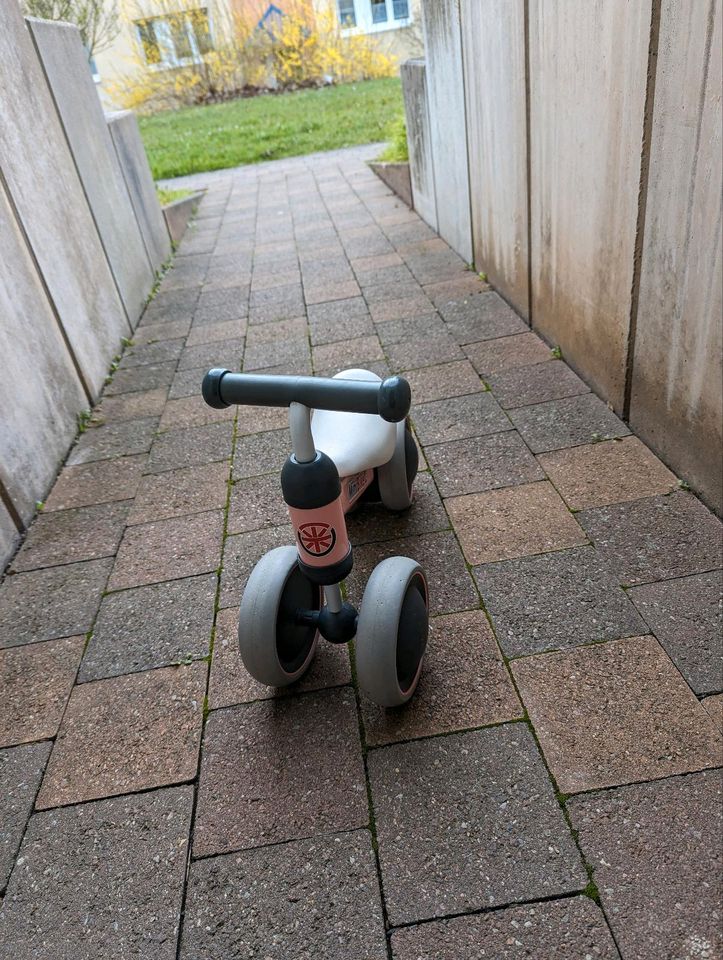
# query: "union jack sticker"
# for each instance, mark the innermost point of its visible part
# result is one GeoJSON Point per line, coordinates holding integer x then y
{"type": "Point", "coordinates": [317, 539]}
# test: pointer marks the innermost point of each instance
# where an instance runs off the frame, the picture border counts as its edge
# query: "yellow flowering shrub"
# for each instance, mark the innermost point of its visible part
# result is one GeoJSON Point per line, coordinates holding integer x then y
{"type": "Point", "coordinates": [295, 50]}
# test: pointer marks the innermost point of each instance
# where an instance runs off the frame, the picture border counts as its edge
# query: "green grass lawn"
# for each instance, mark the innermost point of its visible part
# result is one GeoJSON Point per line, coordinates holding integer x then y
{"type": "Point", "coordinates": [269, 127]}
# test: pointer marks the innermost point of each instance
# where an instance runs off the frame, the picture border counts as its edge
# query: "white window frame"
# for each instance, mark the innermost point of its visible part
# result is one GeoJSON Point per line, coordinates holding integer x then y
{"type": "Point", "coordinates": [365, 24]}
{"type": "Point", "coordinates": [166, 46]}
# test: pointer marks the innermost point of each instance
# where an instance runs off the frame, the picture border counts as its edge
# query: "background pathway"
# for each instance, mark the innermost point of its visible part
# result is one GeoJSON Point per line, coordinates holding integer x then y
{"type": "Point", "coordinates": [549, 792]}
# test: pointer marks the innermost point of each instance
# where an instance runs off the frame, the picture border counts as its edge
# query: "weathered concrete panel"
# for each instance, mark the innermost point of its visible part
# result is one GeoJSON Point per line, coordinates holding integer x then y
{"type": "Point", "coordinates": [126, 138]}
{"type": "Point", "coordinates": [65, 63]}
{"type": "Point", "coordinates": [9, 537]}
{"type": "Point", "coordinates": [178, 215]}
{"type": "Point", "coordinates": [588, 66]}
{"type": "Point", "coordinates": [40, 392]}
{"type": "Point", "coordinates": [419, 139]}
{"type": "Point", "coordinates": [493, 44]}
{"type": "Point", "coordinates": [676, 402]}
{"type": "Point", "coordinates": [43, 183]}
{"type": "Point", "coordinates": [445, 90]}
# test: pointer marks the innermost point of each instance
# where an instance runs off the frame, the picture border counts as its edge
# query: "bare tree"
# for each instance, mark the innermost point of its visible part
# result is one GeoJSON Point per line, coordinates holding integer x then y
{"type": "Point", "coordinates": [97, 20]}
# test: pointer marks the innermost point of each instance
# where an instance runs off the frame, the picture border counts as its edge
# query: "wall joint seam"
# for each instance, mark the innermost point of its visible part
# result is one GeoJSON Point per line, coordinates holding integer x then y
{"type": "Point", "coordinates": [645, 155]}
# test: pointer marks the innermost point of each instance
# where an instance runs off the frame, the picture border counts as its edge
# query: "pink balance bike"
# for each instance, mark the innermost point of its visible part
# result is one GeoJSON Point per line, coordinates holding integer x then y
{"type": "Point", "coordinates": [350, 443]}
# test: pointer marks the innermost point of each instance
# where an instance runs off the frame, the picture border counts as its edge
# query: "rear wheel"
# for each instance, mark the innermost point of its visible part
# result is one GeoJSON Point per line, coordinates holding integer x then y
{"type": "Point", "coordinates": [396, 478]}
{"type": "Point", "coordinates": [275, 648]}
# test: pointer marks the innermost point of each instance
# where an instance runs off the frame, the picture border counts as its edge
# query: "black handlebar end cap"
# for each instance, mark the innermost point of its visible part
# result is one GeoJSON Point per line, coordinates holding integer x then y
{"type": "Point", "coordinates": [395, 399]}
{"type": "Point", "coordinates": [211, 388]}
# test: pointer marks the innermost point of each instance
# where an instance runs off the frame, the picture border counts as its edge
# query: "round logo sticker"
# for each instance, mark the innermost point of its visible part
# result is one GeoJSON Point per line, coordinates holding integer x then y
{"type": "Point", "coordinates": [317, 539]}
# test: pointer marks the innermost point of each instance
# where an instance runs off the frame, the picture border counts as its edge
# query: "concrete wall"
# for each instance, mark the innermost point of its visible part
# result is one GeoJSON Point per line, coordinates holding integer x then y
{"type": "Point", "coordinates": [70, 245]}
{"type": "Point", "coordinates": [39, 382]}
{"type": "Point", "coordinates": [42, 180]}
{"type": "Point", "coordinates": [131, 155]}
{"type": "Point", "coordinates": [9, 534]}
{"type": "Point", "coordinates": [65, 63]}
{"type": "Point", "coordinates": [419, 140]}
{"type": "Point", "coordinates": [676, 402]}
{"type": "Point", "coordinates": [493, 45]}
{"type": "Point", "coordinates": [445, 87]}
{"type": "Point", "coordinates": [588, 67]}
{"type": "Point", "coordinates": [593, 132]}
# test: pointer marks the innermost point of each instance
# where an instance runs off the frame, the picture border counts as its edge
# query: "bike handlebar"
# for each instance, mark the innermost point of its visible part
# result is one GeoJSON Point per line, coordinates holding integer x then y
{"type": "Point", "coordinates": [390, 398]}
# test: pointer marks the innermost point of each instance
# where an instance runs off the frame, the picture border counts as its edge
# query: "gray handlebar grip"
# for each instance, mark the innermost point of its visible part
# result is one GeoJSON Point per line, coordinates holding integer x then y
{"type": "Point", "coordinates": [390, 399]}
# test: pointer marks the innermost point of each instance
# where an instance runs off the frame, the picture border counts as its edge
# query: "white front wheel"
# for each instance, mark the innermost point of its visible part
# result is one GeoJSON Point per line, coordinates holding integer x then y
{"type": "Point", "coordinates": [276, 649]}
{"type": "Point", "coordinates": [392, 631]}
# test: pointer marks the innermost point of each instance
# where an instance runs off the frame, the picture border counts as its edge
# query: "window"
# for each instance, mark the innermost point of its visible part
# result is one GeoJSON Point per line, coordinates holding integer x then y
{"type": "Point", "coordinates": [175, 39]}
{"type": "Point", "coordinates": [379, 11]}
{"type": "Point", "coordinates": [347, 13]}
{"type": "Point", "coordinates": [372, 15]}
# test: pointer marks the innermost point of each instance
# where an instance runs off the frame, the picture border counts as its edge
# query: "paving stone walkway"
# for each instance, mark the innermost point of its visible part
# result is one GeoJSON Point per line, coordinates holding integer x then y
{"type": "Point", "coordinates": [551, 791]}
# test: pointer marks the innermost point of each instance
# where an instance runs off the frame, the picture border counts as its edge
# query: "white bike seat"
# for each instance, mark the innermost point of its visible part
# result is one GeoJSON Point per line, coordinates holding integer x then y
{"type": "Point", "coordinates": [354, 441]}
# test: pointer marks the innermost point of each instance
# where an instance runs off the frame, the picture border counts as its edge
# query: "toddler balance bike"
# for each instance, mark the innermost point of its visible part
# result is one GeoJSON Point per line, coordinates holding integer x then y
{"type": "Point", "coordinates": [350, 443]}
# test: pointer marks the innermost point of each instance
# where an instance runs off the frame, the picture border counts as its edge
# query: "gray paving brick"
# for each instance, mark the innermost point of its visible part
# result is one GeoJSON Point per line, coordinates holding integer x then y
{"type": "Point", "coordinates": [339, 320]}
{"type": "Point", "coordinates": [573, 927]}
{"type": "Point", "coordinates": [55, 602]}
{"type": "Point", "coordinates": [68, 536]}
{"type": "Point", "coordinates": [187, 448]}
{"type": "Point", "coordinates": [687, 618]}
{"type": "Point", "coordinates": [445, 420]}
{"type": "Point", "coordinates": [655, 849]}
{"type": "Point", "coordinates": [152, 626]}
{"type": "Point", "coordinates": [658, 538]}
{"type": "Point", "coordinates": [260, 783]}
{"type": "Point", "coordinates": [554, 601]}
{"type": "Point", "coordinates": [481, 316]}
{"type": "Point", "coordinates": [217, 353]}
{"type": "Point", "coordinates": [151, 376]}
{"type": "Point", "coordinates": [260, 453]}
{"type": "Point", "coordinates": [256, 502]}
{"type": "Point", "coordinates": [132, 406]}
{"type": "Point", "coordinates": [187, 383]}
{"type": "Point", "coordinates": [168, 550]}
{"type": "Point", "coordinates": [21, 770]}
{"type": "Point", "coordinates": [422, 352]}
{"type": "Point", "coordinates": [192, 411]}
{"type": "Point", "coordinates": [158, 351]}
{"type": "Point", "coordinates": [311, 899]}
{"type": "Point", "coordinates": [115, 439]}
{"type": "Point", "coordinates": [468, 821]}
{"type": "Point", "coordinates": [567, 423]}
{"type": "Point", "coordinates": [536, 383]}
{"type": "Point", "coordinates": [241, 553]}
{"type": "Point", "coordinates": [101, 881]}
{"type": "Point", "coordinates": [506, 353]}
{"type": "Point", "coordinates": [170, 306]}
{"type": "Point", "coordinates": [226, 303]}
{"type": "Point", "coordinates": [482, 463]}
